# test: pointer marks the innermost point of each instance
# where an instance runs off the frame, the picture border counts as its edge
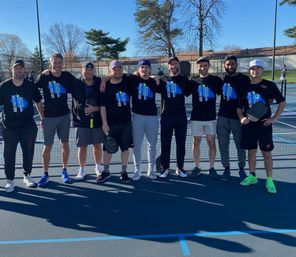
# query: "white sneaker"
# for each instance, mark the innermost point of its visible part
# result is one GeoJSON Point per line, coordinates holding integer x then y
{"type": "Point", "coordinates": [9, 187]}
{"type": "Point", "coordinates": [164, 174]}
{"type": "Point", "coordinates": [29, 181]}
{"type": "Point", "coordinates": [81, 174]}
{"type": "Point", "coordinates": [99, 169]}
{"type": "Point", "coordinates": [137, 175]}
{"type": "Point", "coordinates": [181, 173]}
{"type": "Point", "coordinates": [152, 175]}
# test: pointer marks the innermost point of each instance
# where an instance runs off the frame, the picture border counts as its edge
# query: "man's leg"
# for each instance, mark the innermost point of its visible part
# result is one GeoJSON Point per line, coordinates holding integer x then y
{"type": "Point", "coordinates": [236, 128]}
{"type": "Point", "coordinates": [138, 123]}
{"type": "Point", "coordinates": [180, 135]}
{"type": "Point", "coordinates": [166, 134]}
{"type": "Point", "coordinates": [196, 150]}
{"type": "Point", "coordinates": [151, 131]}
{"type": "Point", "coordinates": [97, 153]}
{"type": "Point", "coordinates": [212, 149]}
{"type": "Point", "coordinates": [82, 156]}
{"type": "Point", "coordinates": [46, 157]}
{"type": "Point", "coordinates": [223, 135]}
{"type": "Point", "coordinates": [65, 154]}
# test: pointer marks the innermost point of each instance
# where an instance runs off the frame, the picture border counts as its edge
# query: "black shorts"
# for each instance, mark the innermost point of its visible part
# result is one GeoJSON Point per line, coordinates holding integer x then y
{"type": "Point", "coordinates": [123, 135]}
{"type": "Point", "coordinates": [254, 133]}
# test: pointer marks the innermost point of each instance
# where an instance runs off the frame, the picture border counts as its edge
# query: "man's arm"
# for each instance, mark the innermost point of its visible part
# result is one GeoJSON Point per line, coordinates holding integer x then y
{"type": "Point", "coordinates": [105, 126]}
{"type": "Point", "coordinates": [39, 107]}
{"type": "Point", "coordinates": [277, 114]}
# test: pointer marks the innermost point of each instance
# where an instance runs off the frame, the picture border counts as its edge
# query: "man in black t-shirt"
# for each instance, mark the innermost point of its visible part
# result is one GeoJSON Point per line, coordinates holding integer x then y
{"type": "Point", "coordinates": [86, 117]}
{"type": "Point", "coordinates": [203, 116]}
{"type": "Point", "coordinates": [173, 88]}
{"type": "Point", "coordinates": [116, 116]}
{"type": "Point", "coordinates": [235, 84]}
{"type": "Point", "coordinates": [17, 96]}
{"type": "Point", "coordinates": [263, 91]}
{"type": "Point", "coordinates": [55, 88]}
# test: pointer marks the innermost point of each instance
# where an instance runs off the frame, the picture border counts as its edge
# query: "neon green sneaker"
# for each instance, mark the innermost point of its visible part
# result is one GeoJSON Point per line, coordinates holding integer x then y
{"type": "Point", "coordinates": [270, 186]}
{"type": "Point", "coordinates": [249, 180]}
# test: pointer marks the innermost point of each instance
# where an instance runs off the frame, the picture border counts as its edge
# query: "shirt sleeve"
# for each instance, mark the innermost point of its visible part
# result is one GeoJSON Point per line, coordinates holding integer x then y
{"type": "Point", "coordinates": [187, 87]}
{"type": "Point", "coordinates": [37, 96]}
{"type": "Point", "coordinates": [276, 94]}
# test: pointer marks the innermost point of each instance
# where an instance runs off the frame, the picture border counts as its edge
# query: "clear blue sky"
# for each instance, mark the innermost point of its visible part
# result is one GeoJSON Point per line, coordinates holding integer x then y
{"type": "Point", "coordinates": [246, 23]}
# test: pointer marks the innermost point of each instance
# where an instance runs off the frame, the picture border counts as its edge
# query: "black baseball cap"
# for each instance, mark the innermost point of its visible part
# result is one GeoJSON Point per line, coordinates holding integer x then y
{"type": "Point", "coordinates": [17, 62]}
{"type": "Point", "coordinates": [88, 65]}
{"type": "Point", "coordinates": [175, 58]}
{"type": "Point", "coordinates": [230, 57]}
{"type": "Point", "coordinates": [203, 59]}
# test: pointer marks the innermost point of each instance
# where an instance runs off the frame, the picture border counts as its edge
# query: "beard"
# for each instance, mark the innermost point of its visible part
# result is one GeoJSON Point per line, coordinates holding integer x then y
{"type": "Point", "coordinates": [230, 71]}
{"type": "Point", "coordinates": [175, 71]}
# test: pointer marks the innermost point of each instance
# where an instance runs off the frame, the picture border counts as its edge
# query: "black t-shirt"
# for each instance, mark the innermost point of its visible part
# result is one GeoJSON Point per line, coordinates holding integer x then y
{"type": "Point", "coordinates": [265, 92]}
{"type": "Point", "coordinates": [55, 90]}
{"type": "Point", "coordinates": [143, 95]}
{"type": "Point", "coordinates": [116, 99]}
{"type": "Point", "coordinates": [233, 89]}
{"type": "Point", "coordinates": [204, 91]}
{"type": "Point", "coordinates": [18, 103]}
{"type": "Point", "coordinates": [83, 94]}
{"type": "Point", "coordinates": [173, 91]}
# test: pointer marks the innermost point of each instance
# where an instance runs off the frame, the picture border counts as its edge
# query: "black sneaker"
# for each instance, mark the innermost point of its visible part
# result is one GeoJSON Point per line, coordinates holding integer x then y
{"type": "Point", "coordinates": [226, 175]}
{"type": "Point", "coordinates": [242, 173]}
{"type": "Point", "coordinates": [103, 177]}
{"type": "Point", "coordinates": [213, 173]}
{"type": "Point", "coordinates": [195, 172]}
{"type": "Point", "coordinates": [124, 177]}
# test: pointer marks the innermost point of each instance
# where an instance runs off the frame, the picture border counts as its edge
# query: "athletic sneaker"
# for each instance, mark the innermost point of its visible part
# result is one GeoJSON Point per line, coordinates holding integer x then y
{"type": "Point", "coordinates": [103, 177]}
{"type": "Point", "coordinates": [226, 174]}
{"type": "Point", "coordinates": [181, 173]}
{"type": "Point", "coordinates": [98, 170]}
{"type": "Point", "coordinates": [195, 172]}
{"type": "Point", "coordinates": [151, 175]}
{"type": "Point", "coordinates": [81, 174]}
{"type": "Point", "coordinates": [137, 175]}
{"type": "Point", "coordinates": [249, 180]}
{"type": "Point", "coordinates": [164, 173]}
{"type": "Point", "coordinates": [213, 173]}
{"type": "Point", "coordinates": [9, 187]}
{"type": "Point", "coordinates": [242, 173]}
{"type": "Point", "coordinates": [124, 177]}
{"type": "Point", "coordinates": [270, 186]}
{"type": "Point", "coordinates": [43, 180]}
{"type": "Point", "coordinates": [29, 181]}
{"type": "Point", "coordinates": [66, 179]}
{"type": "Point", "coordinates": [158, 165]}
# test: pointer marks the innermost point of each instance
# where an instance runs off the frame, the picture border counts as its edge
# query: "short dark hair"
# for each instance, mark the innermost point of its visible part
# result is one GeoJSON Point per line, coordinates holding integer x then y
{"type": "Point", "coordinates": [56, 55]}
{"type": "Point", "coordinates": [230, 57]}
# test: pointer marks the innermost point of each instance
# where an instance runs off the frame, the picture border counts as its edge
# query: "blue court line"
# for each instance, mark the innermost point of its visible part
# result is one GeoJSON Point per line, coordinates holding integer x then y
{"type": "Point", "coordinates": [181, 237]}
{"type": "Point", "coordinates": [184, 245]}
{"type": "Point", "coordinates": [285, 140]}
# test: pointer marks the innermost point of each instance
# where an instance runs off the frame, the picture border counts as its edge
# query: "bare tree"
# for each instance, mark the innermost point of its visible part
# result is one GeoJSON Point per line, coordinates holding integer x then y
{"type": "Point", "coordinates": [202, 20]}
{"type": "Point", "coordinates": [66, 39]}
{"type": "Point", "coordinates": [157, 26]}
{"type": "Point", "coordinates": [231, 47]}
{"type": "Point", "coordinates": [11, 47]}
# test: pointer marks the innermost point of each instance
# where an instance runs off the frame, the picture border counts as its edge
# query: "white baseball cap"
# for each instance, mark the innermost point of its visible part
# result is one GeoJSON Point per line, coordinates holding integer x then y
{"type": "Point", "coordinates": [256, 62]}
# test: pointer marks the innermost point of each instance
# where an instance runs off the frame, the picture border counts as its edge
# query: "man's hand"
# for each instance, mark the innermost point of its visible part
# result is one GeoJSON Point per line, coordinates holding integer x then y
{"type": "Point", "coordinates": [46, 72]}
{"type": "Point", "coordinates": [105, 128]}
{"type": "Point", "coordinates": [268, 121]}
{"type": "Point", "coordinates": [90, 109]}
{"type": "Point", "coordinates": [244, 120]}
{"type": "Point", "coordinates": [103, 85]}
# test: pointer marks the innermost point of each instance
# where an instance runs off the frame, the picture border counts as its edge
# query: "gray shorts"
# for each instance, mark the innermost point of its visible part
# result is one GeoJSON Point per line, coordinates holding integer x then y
{"type": "Point", "coordinates": [88, 136]}
{"type": "Point", "coordinates": [59, 125]}
{"type": "Point", "coordinates": [199, 128]}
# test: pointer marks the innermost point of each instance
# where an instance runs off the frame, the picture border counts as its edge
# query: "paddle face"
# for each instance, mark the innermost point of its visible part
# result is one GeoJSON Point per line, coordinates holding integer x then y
{"type": "Point", "coordinates": [110, 145]}
{"type": "Point", "coordinates": [257, 111]}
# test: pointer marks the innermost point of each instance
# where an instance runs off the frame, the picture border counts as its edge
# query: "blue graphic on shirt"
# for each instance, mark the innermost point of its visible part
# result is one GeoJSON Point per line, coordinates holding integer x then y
{"type": "Point", "coordinates": [205, 93]}
{"type": "Point", "coordinates": [173, 89]}
{"type": "Point", "coordinates": [18, 103]}
{"type": "Point", "coordinates": [144, 91]}
{"type": "Point", "coordinates": [56, 89]}
{"type": "Point", "coordinates": [228, 92]}
{"type": "Point", "coordinates": [122, 98]}
{"type": "Point", "coordinates": [253, 98]}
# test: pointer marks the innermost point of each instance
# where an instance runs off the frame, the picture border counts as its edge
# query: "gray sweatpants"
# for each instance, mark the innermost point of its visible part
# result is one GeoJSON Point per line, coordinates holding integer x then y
{"type": "Point", "coordinates": [226, 126]}
{"type": "Point", "coordinates": [144, 125]}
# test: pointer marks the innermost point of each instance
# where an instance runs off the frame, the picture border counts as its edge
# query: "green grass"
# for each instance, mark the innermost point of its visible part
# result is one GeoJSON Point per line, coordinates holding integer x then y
{"type": "Point", "coordinates": [291, 75]}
